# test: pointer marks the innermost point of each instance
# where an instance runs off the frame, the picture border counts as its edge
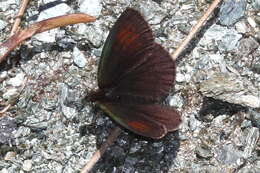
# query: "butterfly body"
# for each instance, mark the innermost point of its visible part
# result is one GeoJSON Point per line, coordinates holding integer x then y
{"type": "Point", "coordinates": [134, 74]}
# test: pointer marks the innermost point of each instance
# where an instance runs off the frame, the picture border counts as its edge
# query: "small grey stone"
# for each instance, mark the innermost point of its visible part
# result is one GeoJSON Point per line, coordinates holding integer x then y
{"type": "Point", "coordinates": [130, 161]}
{"type": "Point", "coordinates": [257, 20]}
{"type": "Point", "coordinates": [79, 58]}
{"type": "Point", "coordinates": [252, 22]}
{"type": "Point", "coordinates": [194, 124]}
{"type": "Point", "coordinates": [255, 118]}
{"type": "Point", "coordinates": [176, 101]}
{"type": "Point", "coordinates": [27, 165]}
{"type": "Point", "coordinates": [229, 42]}
{"type": "Point", "coordinates": [64, 99]}
{"type": "Point", "coordinates": [57, 10]}
{"type": "Point", "coordinates": [93, 34]}
{"type": "Point", "coordinates": [212, 61]}
{"type": "Point", "coordinates": [16, 81]}
{"type": "Point", "coordinates": [4, 170]}
{"type": "Point", "coordinates": [48, 36]}
{"type": "Point", "coordinates": [230, 88]}
{"type": "Point", "coordinates": [246, 124]}
{"type": "Point", "coordinates": [256, 4]}
{"type": "Point", "coordinates": [231, 11]}
{"type": "Point", "coordinates": [251, 142]}
{"type": "Point", "coordinates": [3, 75]}
{"type": "Point", "coordinates": [247, 45]}
{"type": "Point", "coordinates": [10, 156]}
{"type": "Point", "coordinates": [22, 131]}
{"type": "Point", "coordinates": [242, 27]}
{"type": "Point", "coordinates": [11, 94]}
{"type": "Point", "coordinates": [7, 127]}
{"type": "Point", "coordinates": [69, 112]}
{"type": "Point", "coordinates": [97, 52]}
{"type": "Point", "coordinates": [203, 151]}
{"type": "Point", "coordinates": [3, 24]}
{"type": "Point", "coordinates": [252, 168]}
{"type": "Point", "coordinates": [227, 154]}
{"type": "Point", "coordinates": [256, 68]}
{"type": "Point", "coordinates": [3, 50]}
{"type": "Point", "coordinates": [151, 11]}
{"type": "Point", "coordinates": [90, 7]}
{"type": "Point", "coordinates": [219, 120]}
{"type": "Point", "coordinates": [226, 38]}
{"type": "Point", "coordinates": [5, 4]}
{"type": "Point", "coordinates": [180, 77]}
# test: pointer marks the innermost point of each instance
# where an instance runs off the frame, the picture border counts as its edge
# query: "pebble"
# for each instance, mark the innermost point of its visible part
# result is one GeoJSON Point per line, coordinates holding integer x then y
{"type": "Point", "coordinates": [10, 156]}
{"type": "Point", "coordinates": [252, 22]}
{"type": "Point", "coordinates": [57, 10]}
{"type": "Point", "coordinates": [90, 7]}
{"type": "Point", "coordinates": [241, 27]}
{"type": "Point", "coordinates": [16, 81]}
{"type": "Point", "coordinates": [10, 94]}
{"type": "Point", "coordinates": [203, 151]}
{"type": "Point", "coordinates": [5, 4]}
{"type": "Point", "coordinates": [230, 88]}
{"type": "Point", "coordinates": [79, 58]}
{"type": "Point", "coordinates": [231, 11]}
{"type": "Point", "coordinates": [152, 11]}
{"type": "Point", "coordinates": [3, 24]}
{"type": "Point", "coordinates": [27, 165]}
{"type": "Point", "coordinates": [256, 5]}
{"type": "Point", "coordinates": [226, 38]}
{"type": "Point", "coordinates": [251, 142]}
{"type": "Point", "coordinates": [228, 154]}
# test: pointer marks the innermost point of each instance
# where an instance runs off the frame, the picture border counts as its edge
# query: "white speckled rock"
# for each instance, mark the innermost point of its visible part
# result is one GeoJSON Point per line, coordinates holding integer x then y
{"type": "Point", "coordinates": [90, 7]}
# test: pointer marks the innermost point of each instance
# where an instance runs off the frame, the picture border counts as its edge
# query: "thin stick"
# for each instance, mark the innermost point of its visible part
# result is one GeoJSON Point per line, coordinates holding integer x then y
{"type": "Point", "coordinates": [195, 29]}
{"type": "Point", "coordinates": [4, 110]}
{"type": "Point", "coordinates": [19, 16]}
{"type": "Point", "coordinates": [9, 105]}
{"type": "Point", "coordinates": [110, 140]}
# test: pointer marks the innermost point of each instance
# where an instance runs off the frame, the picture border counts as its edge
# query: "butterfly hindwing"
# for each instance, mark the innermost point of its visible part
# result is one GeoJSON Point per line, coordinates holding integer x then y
{"type": "Point", "coordinates": [130, 36]}
{"type": "Point", "coordinates": [152, 121]}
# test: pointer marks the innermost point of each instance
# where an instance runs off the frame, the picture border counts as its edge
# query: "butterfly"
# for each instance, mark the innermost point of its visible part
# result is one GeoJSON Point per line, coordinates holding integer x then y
{"type": "Point", "coordinates": [134, 74]}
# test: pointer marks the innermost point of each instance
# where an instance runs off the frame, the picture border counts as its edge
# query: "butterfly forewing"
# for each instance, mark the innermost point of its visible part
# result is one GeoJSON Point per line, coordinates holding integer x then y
{"type": "Point", "coordinates": [151, 80]}
{"type": "Point", "coordinates": [130, 36]}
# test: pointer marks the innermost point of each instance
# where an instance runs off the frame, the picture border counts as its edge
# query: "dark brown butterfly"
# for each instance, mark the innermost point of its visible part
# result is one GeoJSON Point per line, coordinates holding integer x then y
{"type": "Point", "coordinates": [134, 74]}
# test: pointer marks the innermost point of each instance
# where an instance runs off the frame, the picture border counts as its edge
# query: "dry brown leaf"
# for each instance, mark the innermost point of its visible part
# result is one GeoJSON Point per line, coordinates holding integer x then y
{"type": "Point", "coordinates": [17, 38]}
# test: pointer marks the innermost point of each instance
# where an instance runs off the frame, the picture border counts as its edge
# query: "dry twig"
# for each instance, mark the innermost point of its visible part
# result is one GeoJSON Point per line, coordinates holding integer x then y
{"type": "Point", "coordinates": [9, 105]}
{"type": "Point", "coordinates": [19, 16]}
{"type": "Point", "coordinates": [4, 110]}
{"type": "Point", "coordinates": [195, 29]}
{"type": "Point", "coordinates": [110, 140]}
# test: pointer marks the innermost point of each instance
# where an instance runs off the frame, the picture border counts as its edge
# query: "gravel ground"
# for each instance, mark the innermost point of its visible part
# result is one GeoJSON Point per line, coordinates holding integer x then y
{"type": "Point", "coordinates": [217, 91]}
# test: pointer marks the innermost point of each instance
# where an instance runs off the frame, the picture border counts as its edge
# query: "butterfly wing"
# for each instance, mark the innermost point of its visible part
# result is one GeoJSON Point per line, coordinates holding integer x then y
{"type": "Point", "coordinates": [152, 121]}
{"type": "Point", "coordinates": [132, 64]}
{"type": "Point", "coordinates": [151, 80]}
{"type": "Point", "coordinates": [129, 37]}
